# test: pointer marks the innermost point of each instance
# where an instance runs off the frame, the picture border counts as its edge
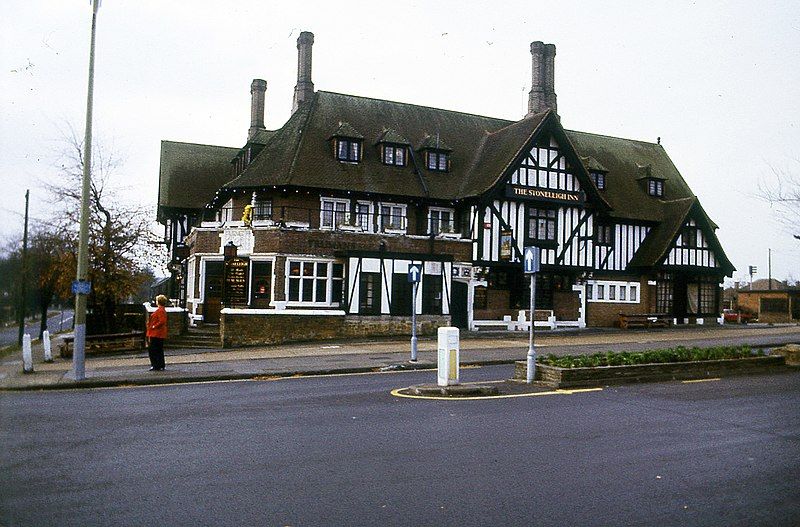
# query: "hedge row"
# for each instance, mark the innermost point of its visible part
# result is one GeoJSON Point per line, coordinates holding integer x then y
{"type": "Point", "coordinates": [658, 356]}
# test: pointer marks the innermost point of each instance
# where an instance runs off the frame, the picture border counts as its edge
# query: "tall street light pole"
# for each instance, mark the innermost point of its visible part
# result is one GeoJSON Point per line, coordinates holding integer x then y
{"type": "Point", "coordinates": [79, 346]}
{"type": "Point", "coordinates": [24, 278]}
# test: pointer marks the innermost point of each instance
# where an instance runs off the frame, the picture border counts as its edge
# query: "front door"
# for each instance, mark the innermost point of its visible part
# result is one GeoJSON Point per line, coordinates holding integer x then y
{"type": "Point", "coordinates": [212, 294]}
{"type": "Point", "coordinates": [458, 305]}
{"type": "Point", "coordinates": [401, 295]}
{"type": "Point", "coordinates": [679, 297]}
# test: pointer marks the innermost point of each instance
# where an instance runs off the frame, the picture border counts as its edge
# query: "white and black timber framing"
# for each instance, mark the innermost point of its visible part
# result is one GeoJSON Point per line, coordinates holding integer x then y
{"type": "Point", "coordinates": [544, 177]}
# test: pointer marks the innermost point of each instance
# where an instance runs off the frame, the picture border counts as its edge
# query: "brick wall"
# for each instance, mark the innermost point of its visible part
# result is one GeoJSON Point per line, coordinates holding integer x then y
{"type": "Point", "coordinates": [325, 243]}
{"type": "Point", "coordinates": [260, 329]}
{"type": "Point", "coordinates": [203, 241]}
{"type": "Point", "coordinates": [606, 314]}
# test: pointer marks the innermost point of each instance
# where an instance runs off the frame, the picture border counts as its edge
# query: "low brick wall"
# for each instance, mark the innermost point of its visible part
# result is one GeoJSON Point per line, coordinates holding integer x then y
{"type": "Point", "coordinates": [177, 320]}
{"type": "Point", "coordinates": [259, 329]}
{"type": "Point", "coordinates": [672, 371]}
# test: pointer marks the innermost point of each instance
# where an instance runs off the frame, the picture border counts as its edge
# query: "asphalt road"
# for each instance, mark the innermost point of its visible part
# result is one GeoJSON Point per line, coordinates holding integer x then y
{"type": "Point", "coordinates": [343, 451]}
{"type": "Point", "coordinates": [55, 323]}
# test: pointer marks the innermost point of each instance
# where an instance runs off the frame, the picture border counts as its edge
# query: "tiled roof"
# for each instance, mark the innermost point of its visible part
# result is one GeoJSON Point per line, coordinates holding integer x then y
{"type": "Point", "coordinates": [482, 151]}
{"type": "Point", "coordinates": [190, 174]}
{"type": "Point", "coordinates": [300, 154]}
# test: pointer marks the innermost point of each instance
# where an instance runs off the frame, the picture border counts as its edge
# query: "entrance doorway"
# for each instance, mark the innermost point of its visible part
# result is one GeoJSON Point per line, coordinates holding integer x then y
{"type": "Point", "coordinates": [212, 294]}
{"type": "Point", "coordinates": [458, 305]}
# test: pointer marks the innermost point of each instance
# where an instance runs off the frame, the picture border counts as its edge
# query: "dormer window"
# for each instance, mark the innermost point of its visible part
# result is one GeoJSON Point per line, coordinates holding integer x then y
{"type": "Point", "coordinates": [655, 187]}
{"type": "Point", "coordinates": [348, 150]}
{"type": "Point", "coordinates": [347, 143]}
{"type": "Point", "coordinates": [437, 153]}
{"type": "Point", "coordinates": [438, 161]}
{"type": "Point", "coordinates": [393, 147]}
{"type": "Point", "coordinates": [653, 181]}
{"type": "Point", "coordinates": [599, 179]}
{"type": "Point", "coordinates": [596, 171]}
{"type": "Point", "coordinates": [394, 155]}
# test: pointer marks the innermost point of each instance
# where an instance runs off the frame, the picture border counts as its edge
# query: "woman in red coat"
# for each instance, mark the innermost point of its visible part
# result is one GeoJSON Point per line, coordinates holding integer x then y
{"type": "Point", "coordinates": [156, 333]}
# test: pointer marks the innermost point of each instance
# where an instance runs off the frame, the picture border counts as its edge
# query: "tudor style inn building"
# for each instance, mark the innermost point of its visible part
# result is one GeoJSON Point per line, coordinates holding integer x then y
{"type": "Point", "coordinates": [308, 231]}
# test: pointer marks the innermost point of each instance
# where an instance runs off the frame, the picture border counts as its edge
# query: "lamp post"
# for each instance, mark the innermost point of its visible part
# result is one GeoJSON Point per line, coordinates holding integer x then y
{"type": "Point", "coordinates": [79, 347]}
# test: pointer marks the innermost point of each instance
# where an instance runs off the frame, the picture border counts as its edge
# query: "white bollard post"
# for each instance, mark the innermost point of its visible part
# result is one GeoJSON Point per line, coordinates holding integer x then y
{"type": "Point", "coordinates": [448, 356]}
{"type": "Point", "coordinates": [27, 357]}
{"type": "Point", "coordinates": [48, 354]}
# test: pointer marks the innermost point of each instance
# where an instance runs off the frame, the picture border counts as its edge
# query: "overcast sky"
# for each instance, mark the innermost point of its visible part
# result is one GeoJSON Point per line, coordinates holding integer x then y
{"type": "Point", "coordinates": [717, 81]}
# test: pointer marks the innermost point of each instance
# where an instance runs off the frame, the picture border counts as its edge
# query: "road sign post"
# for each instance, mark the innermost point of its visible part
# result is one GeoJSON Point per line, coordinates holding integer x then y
{"type": "Point", "coordinates": [414, 276]}
{"type": "Point", "coordinates": [530, 264]}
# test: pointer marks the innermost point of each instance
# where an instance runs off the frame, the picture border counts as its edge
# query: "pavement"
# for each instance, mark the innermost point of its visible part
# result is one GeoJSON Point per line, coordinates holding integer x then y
{"type": "Point", "coordinates": [355, 356]}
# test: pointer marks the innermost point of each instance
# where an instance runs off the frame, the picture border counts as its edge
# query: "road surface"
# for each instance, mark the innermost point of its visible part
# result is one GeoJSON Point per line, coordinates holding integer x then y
{"type": "Point", "coordinates": [55, 324]}
{"type": "Point", "coordinates": [341, 450]}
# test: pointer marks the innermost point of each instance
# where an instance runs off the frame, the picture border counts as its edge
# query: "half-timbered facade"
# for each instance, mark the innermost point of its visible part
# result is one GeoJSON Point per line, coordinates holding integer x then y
{"type": "Point", "coordinates": [326, 214]}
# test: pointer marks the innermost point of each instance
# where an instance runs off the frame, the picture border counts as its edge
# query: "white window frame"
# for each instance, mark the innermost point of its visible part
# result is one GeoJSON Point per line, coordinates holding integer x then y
{"type": "Point", "coordinates": [440, 229]}
{"type": "Point", "coordinates": [191, 275]}
{"type": "Point", "coordinates": [370, 224]}
{"type": "Point", "coordinates": [256, 260]}
{"type": "Point", "coordinates": [403, 217]}
{"type": "Point", "coordinates": [618, 286]}
{"type": "Point", "coordinates": [334, 213]}
{"type": "Point", "coordinates": [329, 279]}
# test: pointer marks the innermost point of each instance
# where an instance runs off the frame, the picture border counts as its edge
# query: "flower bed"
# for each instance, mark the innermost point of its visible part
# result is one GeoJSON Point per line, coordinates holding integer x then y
{"type": "Point", "coordinates": [648, 366]}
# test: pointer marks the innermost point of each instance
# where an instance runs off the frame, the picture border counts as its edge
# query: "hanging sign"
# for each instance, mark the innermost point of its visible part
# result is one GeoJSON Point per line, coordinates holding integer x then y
{"type": "Point", "coordinates": [506, 241]}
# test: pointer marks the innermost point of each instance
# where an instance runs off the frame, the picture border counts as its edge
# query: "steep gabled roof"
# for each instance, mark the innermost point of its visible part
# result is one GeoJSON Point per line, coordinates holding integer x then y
{"type": "Point", "coordinates": [661, 238]}
{"type": "Point", "coordinates": [623, 159]}
{"type": "Point", "coordinates": [483, 150]}
{"type": "Point", "coordinates": [300, 153]}
{"type": "Point", "coordinates": [657, 244]}
{"type": "Point", "coordinates": [191, 173]}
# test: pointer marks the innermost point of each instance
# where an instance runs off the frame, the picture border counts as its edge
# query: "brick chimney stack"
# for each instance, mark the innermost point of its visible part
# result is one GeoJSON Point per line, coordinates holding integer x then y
{"type": "Point", "coordinates": [304, 90]}
{"type": "Point", "coordinates": [543, 93]}
{"type": "Point", "coordinates": [258, 90]}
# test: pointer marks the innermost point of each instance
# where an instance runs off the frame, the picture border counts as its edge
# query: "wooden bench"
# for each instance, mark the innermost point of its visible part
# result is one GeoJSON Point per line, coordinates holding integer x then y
{"type": "Point", "coordinates": [99, 344]}
{"type": "Point", "coordinates": [644, 320]}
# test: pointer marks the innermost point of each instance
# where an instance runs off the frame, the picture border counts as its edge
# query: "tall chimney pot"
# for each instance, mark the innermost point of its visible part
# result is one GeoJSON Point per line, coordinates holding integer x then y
{"type": "Point", "coordinates": [258, 90]}
{"type": "Point", "coordinates": [304, 90]}
{"type": "Point", "coordinates": [542, 95]}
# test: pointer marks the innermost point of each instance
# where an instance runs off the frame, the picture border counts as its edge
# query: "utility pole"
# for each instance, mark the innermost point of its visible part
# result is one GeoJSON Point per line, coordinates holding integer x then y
{"type": "Point", "coordinates": [24, 272]}
{"type": "Point", "coordinates": [769, 268]}
{"type": "Point", "coordinates": [79, 346]}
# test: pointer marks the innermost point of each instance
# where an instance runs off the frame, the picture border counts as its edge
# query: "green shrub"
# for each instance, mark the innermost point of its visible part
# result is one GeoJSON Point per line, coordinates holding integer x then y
{"type": "Point", "coordinates": [658, 356]}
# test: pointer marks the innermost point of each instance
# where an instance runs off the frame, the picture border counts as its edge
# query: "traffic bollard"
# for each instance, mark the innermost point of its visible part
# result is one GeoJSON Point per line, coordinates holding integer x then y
{"type": "Point", "coordinates": [27, 357]}
{"type": "Point", "coordinates": [448, 356]}
{"type": "Point", "coordinates": [48, 354]}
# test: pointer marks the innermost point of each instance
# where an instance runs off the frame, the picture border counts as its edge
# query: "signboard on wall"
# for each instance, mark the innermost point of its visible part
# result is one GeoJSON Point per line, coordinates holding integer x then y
{"type": "Point", "coordinates": [237, 271]}
{"type": "Point", "coordinates": [543, 194]}
{"type": "Point", "coordinates": [506, 243]}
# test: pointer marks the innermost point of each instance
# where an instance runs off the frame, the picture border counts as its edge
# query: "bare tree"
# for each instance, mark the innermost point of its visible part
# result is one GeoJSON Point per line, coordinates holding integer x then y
{"type": "Point", "coordinates": [784, 198]}
{"type": "Point", "coordinates": [118, 231]}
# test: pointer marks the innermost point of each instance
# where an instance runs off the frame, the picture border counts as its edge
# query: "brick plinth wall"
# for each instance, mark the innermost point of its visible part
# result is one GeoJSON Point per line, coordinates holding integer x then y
{"type": "Point", "coordinates": [261, 329]}
{"type": "Point", "coordinates": [177, 321]}
{"type": "Point", "coordinates": [605, 375]}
